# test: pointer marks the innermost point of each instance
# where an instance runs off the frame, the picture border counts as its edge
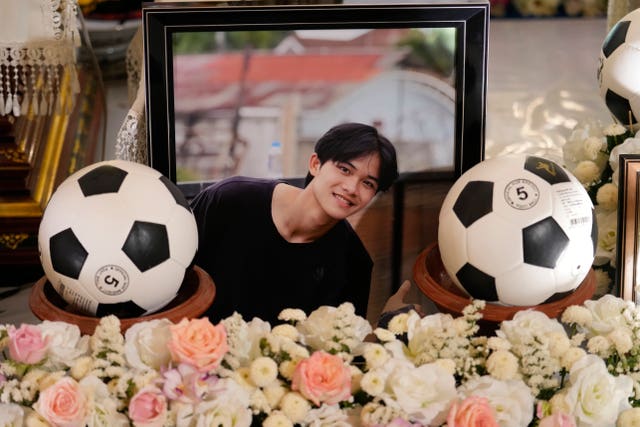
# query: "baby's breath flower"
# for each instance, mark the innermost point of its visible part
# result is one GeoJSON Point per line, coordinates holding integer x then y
{"type": "Point", "coordinates": [263, 371]}
{"type": "Point", "coordinates": [294, 406]}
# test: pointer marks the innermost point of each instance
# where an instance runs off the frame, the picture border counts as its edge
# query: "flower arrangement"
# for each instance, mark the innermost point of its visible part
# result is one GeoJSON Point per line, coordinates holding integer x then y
{"type": "Point", "coordinates": [591, 153]}
{"type": "Point", "coordinates": [329, 369]}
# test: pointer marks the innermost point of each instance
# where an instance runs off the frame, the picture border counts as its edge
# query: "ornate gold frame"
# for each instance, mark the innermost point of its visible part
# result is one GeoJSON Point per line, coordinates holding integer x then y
{"type": "Point", "coordinates": [627, 268]}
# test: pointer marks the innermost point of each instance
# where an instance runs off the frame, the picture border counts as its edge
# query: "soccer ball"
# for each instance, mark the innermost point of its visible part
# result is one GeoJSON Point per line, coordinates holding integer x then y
{"type": "Point", "coordinates": [116, 238]}
{"type": "Point", "coordinates": [517, 230]}
{"type": "Point", "coordinates": [618, 75]}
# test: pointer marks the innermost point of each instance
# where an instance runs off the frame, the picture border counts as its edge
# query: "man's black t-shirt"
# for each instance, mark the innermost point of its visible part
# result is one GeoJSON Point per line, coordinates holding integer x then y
{"type": "Point", "coordinates": [257, 272]}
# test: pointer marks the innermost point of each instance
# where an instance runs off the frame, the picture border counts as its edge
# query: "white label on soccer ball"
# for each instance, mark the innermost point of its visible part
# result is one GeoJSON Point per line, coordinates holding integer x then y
{"type": "Point", "coordinates": [576, 207]}
{"type": "Point", "coordinates": [77, 300]}
{"type": "Point", "coordinates": [521, 194]}
{"type": "Point", "coordinates": [112, 280]}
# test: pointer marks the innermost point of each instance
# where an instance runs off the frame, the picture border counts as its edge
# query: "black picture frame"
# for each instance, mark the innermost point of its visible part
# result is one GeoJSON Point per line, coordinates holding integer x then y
{"type": "Point", "coordinates": [470, 18]}
{"type": "Point", "coordinates": [628, 241]}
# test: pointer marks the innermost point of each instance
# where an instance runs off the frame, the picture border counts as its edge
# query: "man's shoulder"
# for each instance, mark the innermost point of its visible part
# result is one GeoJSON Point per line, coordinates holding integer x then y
{"type": "Point", "coordinates": [239, 187]}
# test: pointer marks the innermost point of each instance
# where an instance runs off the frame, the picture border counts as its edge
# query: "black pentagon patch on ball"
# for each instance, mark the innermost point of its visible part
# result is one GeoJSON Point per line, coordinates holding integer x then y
{"type": "Point", "coordinates": [543, 242]}
{"type": "Point", "coordinates": [121, 310]}
{"type": "Point", "coordinates": [619, 107]}
{"type": "Point", "coordinates": [615, 38]}
{"type": "Point", "coordinates": [546, 169]}
{"type": "Point", "coordinates": [67, 253]}
{"type": "Point", "coordinates": [478, 284]}
{"type": "Point", "coordinates": [474, 201]}
{"type": "Point", "coordinates": [147, 244]}
{"type": "Point", "coordinates": [101, 180]}
{"type": "Point", "coordinates": [594, 231]}
{"type": "Point", "coordinates": [175, 192]}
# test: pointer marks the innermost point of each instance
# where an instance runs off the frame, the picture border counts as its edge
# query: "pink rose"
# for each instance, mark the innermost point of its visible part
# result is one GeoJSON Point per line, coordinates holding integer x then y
{"type": "Point", "coordinates": [63, 404]}
{"type": "Point", "coordinates": [322, 377]}
{"type": "Point", "coordinates": [199, 343]}
{"type": "Point", "coordinates": [26, 344]}
{"type": "Point", "coordinates": [474, 411]}
{"type": "Point", "coordinates": [557, 420]}
{"type": "Point", "coordinates": [148, 408]}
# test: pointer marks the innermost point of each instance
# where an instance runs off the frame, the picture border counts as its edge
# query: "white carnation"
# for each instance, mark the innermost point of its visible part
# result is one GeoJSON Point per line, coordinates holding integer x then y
{"type": "Point", "coordinates": [295, 407]}
{"type": "Point", "coordinates": [577, 314]}
{"type": "Point", "coordinates": [621, 340]}
{"type": "Point", "coordinates": [292, 315]}
{"type": "Point", "coordinates": [587, 172]}
{"type": "Point", "coordinates": [607, 196]}
{"type": "Point", "coordinates": [571, 356]}
{"type": "Point", "coordinates": [593, 147]}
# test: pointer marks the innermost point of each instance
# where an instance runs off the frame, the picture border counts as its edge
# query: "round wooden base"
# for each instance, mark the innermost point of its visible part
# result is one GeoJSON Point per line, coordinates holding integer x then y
{"type": "Point", "coordinates": [194, 297]}
{"type": "Point", "coordinates": [433, 281]}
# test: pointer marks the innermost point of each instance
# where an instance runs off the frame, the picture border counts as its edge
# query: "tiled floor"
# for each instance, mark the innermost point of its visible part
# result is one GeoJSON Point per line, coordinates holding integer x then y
{"type": "Point", "coordinates": [542, 81]}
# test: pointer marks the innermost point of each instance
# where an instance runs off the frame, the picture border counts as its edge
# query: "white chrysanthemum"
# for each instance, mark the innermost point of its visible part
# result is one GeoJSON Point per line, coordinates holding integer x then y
{"type": "Point", "coordinates": [287, 368]}
{"type": "Point", "coordinates": [356, 377]}
{"type": "Point", "coordinates": [372, 383]}
{"type": "Point", "coordinates": [375, 355]}
{"type": "Point", "coordinates": [274, 393]}
{"type": "Point", "coordinates": [259, 402]}
{"type": "Point", "coordinates": [384, 335]}
{"type": "Point", "coordinates": [263, 371]}
{"type": "Point", "coordinates": [277, 419]}
{"type": "Point", "coordinates": [593, 146]}
{"type": "Point", "coordinates": [398, 323]}
{"type": "Point", "coordinates": [599, 345]}
{"type": "Point", "coordinates": [295, 407]}
{"type": "Point", "coordinates": [621, 340]}
{"type": "Point", "coordinates": [503, 365]}
{"type": "Point", "coordinates": [577, 314]}
{"type": "Point", "coordinates": [286, 330]}
{"type": "Point", "coordinates": [587, 172]}
{"type": "Point", "coordinates": [614, 129]}
{"type": "Point", "coordinates": [292, 315]}
{"type": "Point", "coordinates": [571, 356]}
{"type": "Point", "coordinates": [607, 196]}
{"type": "Point", "coordinates": [497, 343]}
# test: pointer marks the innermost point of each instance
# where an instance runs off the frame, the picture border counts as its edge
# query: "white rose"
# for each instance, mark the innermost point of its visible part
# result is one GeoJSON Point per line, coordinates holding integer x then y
{"type": "Point", "coordinates": [607, 196]}
{"type": "Point", "coordinates": [595, 396]}
{"type": "Point", "coordinates": [66, 343]}
{"type": "Point", "coordinates": [526, 324]}
{"type": "Point", "coordinates": [629, 418]}
{"type": "Point", "coordinates": [11, 415]}
{"type": "Point", "coordinates": [629, 146]}
{"type": "Point", "coordinates": [512, 399]}
{"type": "Point", "coordinates": [294, 406]}
{"type": "Point", "coordinates": [608, 313]}
{"type": "Point", "coordinates": [146, 344]}
{"type": "Point", "coordinates": [503, 365]}
{"type": "Point", "coordinates": [425, 392]}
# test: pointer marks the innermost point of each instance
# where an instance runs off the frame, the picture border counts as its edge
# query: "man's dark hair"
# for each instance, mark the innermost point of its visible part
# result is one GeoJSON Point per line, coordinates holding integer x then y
{"type": "Point", "coordinates": [349, 141]}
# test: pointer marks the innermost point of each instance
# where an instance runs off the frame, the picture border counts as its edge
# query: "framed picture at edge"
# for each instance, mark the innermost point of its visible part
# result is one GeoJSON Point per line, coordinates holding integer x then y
{"type": "Point", "coordinates": [227, 83]}
{"type": "Point", "coordinates": [627, 262]}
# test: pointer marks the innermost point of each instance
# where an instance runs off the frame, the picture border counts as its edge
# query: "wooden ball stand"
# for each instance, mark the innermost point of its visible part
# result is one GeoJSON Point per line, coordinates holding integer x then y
{"type": "Point", "coordinates": [433, 281]}
{"type": "Point", "coordinates": [194, 297]}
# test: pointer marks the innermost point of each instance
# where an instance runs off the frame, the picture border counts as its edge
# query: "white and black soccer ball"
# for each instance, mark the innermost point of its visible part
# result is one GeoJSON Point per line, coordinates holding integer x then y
{"type": "Point", "coordinates": [618, 71]}
{"type": "Point", "coordinates": [116, 238]}
{"type": "Point", "coordinates": [517, 230]}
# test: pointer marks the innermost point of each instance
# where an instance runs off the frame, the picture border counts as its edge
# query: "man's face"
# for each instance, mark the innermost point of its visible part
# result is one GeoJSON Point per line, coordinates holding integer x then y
{"type": "Point", "coordinates": [344, 188]}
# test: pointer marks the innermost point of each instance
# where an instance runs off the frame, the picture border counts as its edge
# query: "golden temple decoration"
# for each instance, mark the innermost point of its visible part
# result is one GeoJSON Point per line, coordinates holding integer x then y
{"type": "Point", "coordinates": [12, 240]}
